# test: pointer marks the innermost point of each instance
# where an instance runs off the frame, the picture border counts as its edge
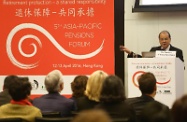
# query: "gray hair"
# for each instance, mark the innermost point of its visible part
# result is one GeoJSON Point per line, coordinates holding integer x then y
{"type": "Point", "coordinates": [53, 81]}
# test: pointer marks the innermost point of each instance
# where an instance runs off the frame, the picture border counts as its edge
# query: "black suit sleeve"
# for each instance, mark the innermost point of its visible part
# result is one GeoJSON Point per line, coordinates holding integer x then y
{"type": "Point", "coordinates": [179, 54]}
{"type": "Point", "coordinates": [133, 55]}
{"type": "Point", "coordinates": [154, 49]}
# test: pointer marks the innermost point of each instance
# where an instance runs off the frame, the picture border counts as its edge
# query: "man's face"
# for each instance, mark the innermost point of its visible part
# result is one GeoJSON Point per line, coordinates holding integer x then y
{"type": "Point", "coordinates": [164, 40]}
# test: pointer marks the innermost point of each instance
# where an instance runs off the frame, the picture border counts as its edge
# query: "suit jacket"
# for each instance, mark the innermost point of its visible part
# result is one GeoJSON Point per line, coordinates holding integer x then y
{"type": "Point", "coordinates": [4, 97]}
{"type": "Point", "coordinates": [156, 112]}
{"type": "Point", "coordinates": [138, 103]}
{"type": "Point", "coordinates": [179, 53]}
{"type": "Point", "coordinates": [54, 102]}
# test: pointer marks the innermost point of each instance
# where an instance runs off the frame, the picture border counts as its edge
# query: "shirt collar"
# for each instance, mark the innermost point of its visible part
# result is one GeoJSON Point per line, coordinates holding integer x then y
{"type": "Point", "coordinates": [21, 102]}
{"type": "Point", "coordinates": [167, 49]}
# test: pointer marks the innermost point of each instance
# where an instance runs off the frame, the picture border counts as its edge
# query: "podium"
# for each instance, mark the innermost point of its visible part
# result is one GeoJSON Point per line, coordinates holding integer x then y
{"type": "Point", "coordinates": [169, 73]}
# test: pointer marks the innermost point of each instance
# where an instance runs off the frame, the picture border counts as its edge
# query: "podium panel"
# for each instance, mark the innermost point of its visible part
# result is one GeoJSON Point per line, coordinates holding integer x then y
{"type": "Point", "coordinates": [169, 73]}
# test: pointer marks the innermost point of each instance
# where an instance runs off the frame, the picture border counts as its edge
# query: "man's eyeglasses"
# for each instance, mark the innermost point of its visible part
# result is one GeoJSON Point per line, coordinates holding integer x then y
{"type": "Point", "coordinates": [163, 39]}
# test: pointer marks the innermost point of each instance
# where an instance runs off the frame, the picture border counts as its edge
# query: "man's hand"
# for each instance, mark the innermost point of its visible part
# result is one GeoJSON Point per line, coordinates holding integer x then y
{"type": "Point", "coordinates": [123, 48]}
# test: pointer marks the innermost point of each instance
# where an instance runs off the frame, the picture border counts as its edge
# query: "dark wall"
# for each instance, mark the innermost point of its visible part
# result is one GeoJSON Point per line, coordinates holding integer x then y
{"type": "Point", "coordinates": [119, 37]}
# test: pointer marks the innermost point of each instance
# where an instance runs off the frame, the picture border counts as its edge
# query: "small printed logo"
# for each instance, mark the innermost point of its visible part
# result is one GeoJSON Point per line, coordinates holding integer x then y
{"type": "Point", "coordinates": [167, 92]}
{"type": "Point", "coordinates": [43, 88]}
{"type": "Point", "coordinates": [35, 84]}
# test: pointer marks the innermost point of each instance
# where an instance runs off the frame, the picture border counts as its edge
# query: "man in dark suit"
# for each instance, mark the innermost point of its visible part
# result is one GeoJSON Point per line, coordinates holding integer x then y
{"type": "Point", "coordinates": [54, 101]}
{"type": "Point", "coordinates": [147, 86]}
{"type": "Point", "coordinates": [4, 95]}
{"type": "Point", "coordinates": [165, 44]}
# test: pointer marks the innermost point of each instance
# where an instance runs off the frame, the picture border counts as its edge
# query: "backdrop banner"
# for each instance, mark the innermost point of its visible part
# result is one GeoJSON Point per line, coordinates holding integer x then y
{"type": "Point", "coordinates": [38, 36]}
